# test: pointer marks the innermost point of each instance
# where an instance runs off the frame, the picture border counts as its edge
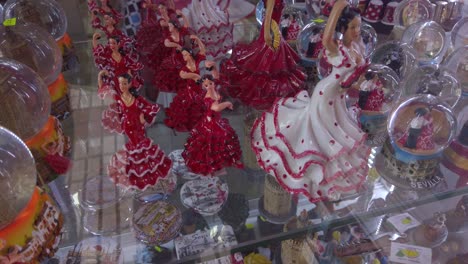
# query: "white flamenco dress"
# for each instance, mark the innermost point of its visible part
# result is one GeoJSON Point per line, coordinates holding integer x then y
{"type": "Point", "coordinates": [213, 22]}
{"type": "Point", "coordinates": [310, 144]}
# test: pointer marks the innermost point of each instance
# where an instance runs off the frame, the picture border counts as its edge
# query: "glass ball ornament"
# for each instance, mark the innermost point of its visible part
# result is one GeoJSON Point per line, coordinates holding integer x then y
{"type": "Point", "coordinates": [47, 14]}
{"type": "Point", "coordinates": [309, 40]}
{"type": "Point", "coordinates": [17, 176]}
{"type": "Point", "coordinates": [34, 47]}
{"type": "Point", "coordinates": [396, 55]}
{"type": "Point", "coordinates": [427, 39]}
{"type": "Point", "coordinates": [459, 34]}
{"type": "Point", "coordinates": [434, 80]}
{"type": "Point", "coordinates": [422, 125]}
{"type": "Point", "coordinates": [289, 12]}
{"type": "Point", "coordinates": [457, 63]}
{"type": "Point", "coordinates": [25, 99]}
{"type": "Point", "coordinates": [409, 12]}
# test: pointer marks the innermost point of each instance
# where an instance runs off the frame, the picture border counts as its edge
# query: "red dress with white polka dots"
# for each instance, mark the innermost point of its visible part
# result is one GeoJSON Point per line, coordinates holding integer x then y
{"type": "Point", "coordinates": [311, 144]}
{"type": "Point", "coordinates": [141, 162]}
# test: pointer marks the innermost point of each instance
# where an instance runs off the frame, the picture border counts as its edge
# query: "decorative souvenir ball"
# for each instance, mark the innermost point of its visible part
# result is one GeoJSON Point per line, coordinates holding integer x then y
{"type": "Point", "coordinates": [18, 176]}
{"type": "Point", "coordinates": [309, 40]}
{"type": "Point", "coordinates": [373, 96]}
{"type": "Point", "coordinates": [48, 14]}
{"type": "Point", "coordinates": [25, 99]}
{"type": "Point", "coordinates": [419, 130]}
{"type": "Point", "coordinates": [427, 38]}
{"type": "Point", "coordinates": [457, 63]}
{"type": "Point", "coordinates": [434, 80]}
{"type": "Point", "coordinates": [459, 33]}
{"type": "Point", "coordinates": [291, 22]}
{"type": "Point", "coordinates": [34, 47]}
{"type": "Point", "coordinates": [409, 12]}
{"type": "Point", "coordinates": [396, 55]}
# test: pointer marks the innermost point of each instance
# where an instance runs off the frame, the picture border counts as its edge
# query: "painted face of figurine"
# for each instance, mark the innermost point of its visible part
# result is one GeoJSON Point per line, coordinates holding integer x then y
{"type": "Point", "coordinates": [353, 32]}
{"type": "Point", "coordinates": [162, 10]}
{"type": "Point", "coordinates": [208, 84]}
{"type": "Point", "coordinates": [186, 55]}
{"type": "Point", "coordinates": [171, 27]}
{"type": "Point", "coordinates": [124, 84]}
{"type": "Point", "coordinates": [113, 45]}
{"type": "Point", "coordinates": [108, 20]}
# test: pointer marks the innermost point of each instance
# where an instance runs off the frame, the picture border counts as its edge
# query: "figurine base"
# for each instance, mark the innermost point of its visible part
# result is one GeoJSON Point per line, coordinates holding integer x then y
{"type": "Point", "coordinates": [276, 219]}
{"type": "Point", "coordinates": [404, 183]}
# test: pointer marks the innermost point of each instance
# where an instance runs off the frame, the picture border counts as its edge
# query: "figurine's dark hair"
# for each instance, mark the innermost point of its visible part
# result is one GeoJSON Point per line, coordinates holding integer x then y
{"type": "Point", "coordinates": [190, 51]}
{"type": "Point", "coordinates": [347, 15]}
{"type": "Point", "coordinates": [206, 77]}
{"type": "Point", "coordinates": [117, 39]}
{"type": "Point", "coordinates": [316, 31]}
{"type": "Point", "coordinates": [421, 111]}
{"type": "Point", "coordinates": [133, 91]}
{"type": "Point", "coordinates": [369, 75]}
{"type": "Point", "coordinates": [175, 23]}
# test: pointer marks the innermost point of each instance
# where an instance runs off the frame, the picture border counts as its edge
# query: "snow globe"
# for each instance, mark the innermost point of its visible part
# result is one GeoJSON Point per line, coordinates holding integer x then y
{"type": "Point", "coordinates": [459, 34]}
{"type": "Point", "coordinates": [409, 12]}
{"type": "Point", "coordinates": [396, 55]}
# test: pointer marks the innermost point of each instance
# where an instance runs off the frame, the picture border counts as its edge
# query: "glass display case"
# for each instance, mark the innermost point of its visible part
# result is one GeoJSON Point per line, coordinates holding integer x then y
{"type": "Point", "coordinates": [242, 215]}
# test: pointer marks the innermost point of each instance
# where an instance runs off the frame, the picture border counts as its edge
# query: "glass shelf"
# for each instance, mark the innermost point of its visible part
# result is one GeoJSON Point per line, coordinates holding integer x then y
{"type": "Point", "coordinates": [92, 148]}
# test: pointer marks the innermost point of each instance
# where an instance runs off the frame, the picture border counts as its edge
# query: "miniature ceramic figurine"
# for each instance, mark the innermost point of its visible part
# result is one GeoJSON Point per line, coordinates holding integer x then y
{"type": "Point", "coordinates": [104, 8]}
{"type": "Point", "coordinates": [167, 76]}
{"type": "Point", "coordinates": [260, 72]}
{"type": "Point", "coordinates": [212, 25]}
{"type": "Point", "coordinates": [371, 94]}
{"type": "Point", "coordinates": [315, 44]}
{"type": "Point", "coordinates": [212, 135]}
{"type": "Point", "coordinates": [419, 135]}
{"type": "Point", "coordinates": [188, 108]}
{"type": "Point", "coordinates": [311, 144]}
{"type": "Point", "coordinates": [141, 162]}
{"type": "Point", "coordinates": [113, 59]}
{"type": "Point", "coordinates": [150, 36]}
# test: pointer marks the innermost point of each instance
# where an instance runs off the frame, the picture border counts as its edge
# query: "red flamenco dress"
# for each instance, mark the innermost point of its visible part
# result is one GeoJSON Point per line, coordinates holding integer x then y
{"type": "Point", "coordinates": [187, 108]}
{"type": "Point", "coordinates": [213, 144]}
{"type": "Point", "coordinates": [167, 77]}
{"type": "Point", "coordinates": [424, 138]}
{"type": "Point", "coordinates": [257, 74]}
{"type": "Point", "coordinates": [140, 163]}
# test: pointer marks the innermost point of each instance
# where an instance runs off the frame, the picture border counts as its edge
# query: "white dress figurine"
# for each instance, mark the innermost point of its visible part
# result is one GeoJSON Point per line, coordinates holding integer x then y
{"type": "Point", "coordinates": [311, 144]}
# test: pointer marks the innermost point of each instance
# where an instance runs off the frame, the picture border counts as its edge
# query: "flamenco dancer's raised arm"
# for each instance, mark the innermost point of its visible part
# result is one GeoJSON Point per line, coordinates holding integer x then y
{"type": "Point", "coordinates": [328, 39]}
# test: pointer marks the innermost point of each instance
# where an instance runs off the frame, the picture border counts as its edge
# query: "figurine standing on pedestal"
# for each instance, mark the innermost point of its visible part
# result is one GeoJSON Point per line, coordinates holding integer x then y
{"type": "Point", "coordinates": [311, 144]}
{"type": "Point", "coordinates": [187, 108]}
{"type": "Point", "coordinates": [140, 163]}
{"type": "Point", "coordinates": [260, 72]}
{"type": "Point", "coordinates": [213, 144]}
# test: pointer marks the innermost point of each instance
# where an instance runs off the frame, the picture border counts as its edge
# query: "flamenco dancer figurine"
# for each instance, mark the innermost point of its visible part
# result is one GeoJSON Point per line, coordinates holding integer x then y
{"type": "Point", "coordinates": [212, 25]}
{"type": "Point", "coordinates": [104, 9]}
{"type": "Point", "coordinates": [167, 76]}
{"type": "Point", "coordinates": [188, 108]}
{"type": "Point", "coordinates": [213, 144]}
{"type": "Point", "coordinates": [140, 163]}
{"type": "Point", "coordinates": [113, 59]}
{"type": "Point", "coordinates": [371, 94]}
{"type": "Point", "coordinates": [260, 72]}
{"type": "Point", "coordinates": [420, 133]}
{"type": "Point", "coordinates": [310, 144]}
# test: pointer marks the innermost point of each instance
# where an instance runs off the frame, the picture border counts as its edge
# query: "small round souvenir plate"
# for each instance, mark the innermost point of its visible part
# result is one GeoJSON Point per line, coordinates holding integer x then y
{"type": "Point", "coordinates": [108, 221]}
{"type": "Point", "coordinates": [157, 223]}
{"type": "Point", "coordinates": [206, 196]}
{"type": "Point", "coordinates": [98, 193]}
{"type": "Point", "coordinates": [179, 168]}
{"type": "Point", "coordinates": [276, 219]}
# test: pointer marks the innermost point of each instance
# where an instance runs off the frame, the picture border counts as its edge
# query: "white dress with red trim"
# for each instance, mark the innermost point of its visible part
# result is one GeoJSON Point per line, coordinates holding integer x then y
{"type": "Point", "coordinates": [311, 144]}
{"type": "Point", "coordinates": [140, 163]}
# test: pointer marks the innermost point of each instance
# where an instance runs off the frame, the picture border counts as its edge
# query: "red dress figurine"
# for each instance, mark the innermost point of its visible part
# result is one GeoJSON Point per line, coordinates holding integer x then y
{"type": "Point", "coordinates": [114, 60]}
{"type": "Point", "coordinates": [167, 75]}
{"type": "Point", "coordinates": [213, 144]}
{"type": "Point", "coordinates": [150, 35]}
{"type": "Point", "coordinates": [188, 108]}
{"type": "Point", "coordinates": [420, 134]}
{"type": "Point", "coordinates": [140, 163]}
{"type": "Point", "coordinates": [104, 9]}
{"type": "Point", "coordinates": [260, 72]}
